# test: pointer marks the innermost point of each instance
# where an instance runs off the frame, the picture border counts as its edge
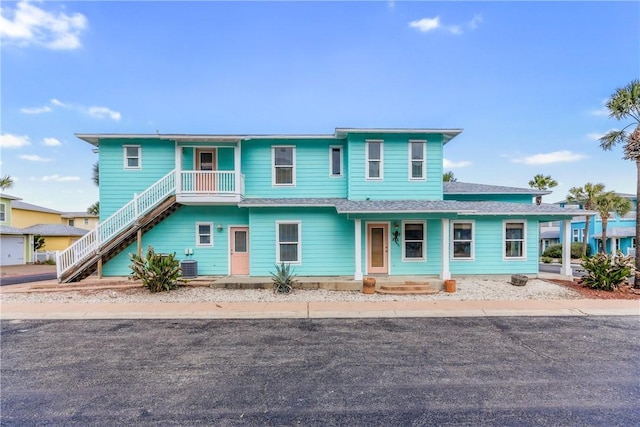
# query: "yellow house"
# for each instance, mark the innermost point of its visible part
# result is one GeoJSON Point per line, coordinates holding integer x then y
{"type": "Point", "coordinates": [16, 246]}
{"type": "Point", "coordinates": [57, 237]}
{"type": "Point", "coordinates": [80, 220]}
{"type": "Point", "coordinates": [26, 215]}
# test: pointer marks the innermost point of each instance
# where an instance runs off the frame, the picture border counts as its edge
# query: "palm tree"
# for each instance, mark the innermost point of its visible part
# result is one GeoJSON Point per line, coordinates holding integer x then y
{"type": "Point", "coordinates": [625, 104]}
{"type": "Point", "coordinates": [6, 182]}
{"type": "Point", "coordinates": [96, 174]}
{"type": "Point", "coordinates": [586, 197]}
{"type": "Point", "coordinates": [542, 182]}
{"type": "Point", "coordinates": [606, 203]}
{"type": "Point", "coordinates": [448, 177]}
{"type": "Point", "coordinates": [94, 209]}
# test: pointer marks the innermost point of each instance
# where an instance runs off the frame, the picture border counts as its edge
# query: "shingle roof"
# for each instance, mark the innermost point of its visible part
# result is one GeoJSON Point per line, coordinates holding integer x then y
{"type": "Point", "coordinates": [5, 229]}
{"type": "Point", "coordinates": [550, 233]}
{"type": "Point", "coordinates": [29, 207]}
{"type": "Point", "coordinates": [78, 215]}
{"type": "Point", "coordinates": [415, 206]}
{"type": "Point", "coordinates": [471, 188]}
{"type": "Point", "coordinates": [6, 196]}
{"type": "Point", "coordinates": [618, 232]}
{"type": "Point", "coordinates": [55, 230]}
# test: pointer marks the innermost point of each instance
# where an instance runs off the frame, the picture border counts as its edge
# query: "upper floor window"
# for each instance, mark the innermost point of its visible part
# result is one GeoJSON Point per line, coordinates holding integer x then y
{"type": "Point", "coordinates": [576, 235]}
{"type": "Point", "coordinates": [204, 234]}
{"type": "Point", "coordinates": [288, 242]}
{"type": "Point", "coordinates": [335, 161]}
{"type": "Point", "coordinates": [463, 239]}
{"type": "Point", "coordinates": [132, 157]}
{"type": "Point", "coordinates": [3, 212]}
{"type": "Point", "coordinates": [514, 239]}
{"type": "Point", "coordinates": [284, 165]}
{"type": "Point", "coordinates": [375, 154]}
{"type": "Point", "coordinates": [414, 237]}
{"type": "Point", "coordinates": [417, 164]}
{"type": "Point", "coordinates": [72, 222]}
{"type": "Point", "coordinates": [86, 221]}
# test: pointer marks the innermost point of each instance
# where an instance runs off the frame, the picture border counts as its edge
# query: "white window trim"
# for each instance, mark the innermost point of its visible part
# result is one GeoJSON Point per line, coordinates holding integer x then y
{"type": "Point", "coordinates": [331, 174]}
{"type": "Point", "coordinates": [210, 244]}
{"type": "Point", "coordinates": [381, 160]}
{"type": "Point", "coordinates": [424, 160]}
{"type": "Point", "coordinates": [472, 256]}
{"type": "Point", "coordinates": [3, 212]}
{"type": "Point", "coordinates": [504, 240]}
{"type": "Point", "coordinates": [126, 164]}
{"type": "Point", "coordinates": [273, 166]}
{"type": "Point", "coordinates": [423, 258]}
{"type": "Point", "coordinates": [299, 254]}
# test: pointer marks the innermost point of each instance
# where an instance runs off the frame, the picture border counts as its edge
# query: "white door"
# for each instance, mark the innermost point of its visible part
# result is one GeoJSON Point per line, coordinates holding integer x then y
{"type": "Point", "coordinates": [11, 250]}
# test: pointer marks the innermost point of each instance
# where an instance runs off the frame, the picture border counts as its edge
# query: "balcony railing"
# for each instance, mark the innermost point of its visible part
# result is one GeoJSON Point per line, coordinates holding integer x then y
{"type": "Point", "coordinates": [210, 182]}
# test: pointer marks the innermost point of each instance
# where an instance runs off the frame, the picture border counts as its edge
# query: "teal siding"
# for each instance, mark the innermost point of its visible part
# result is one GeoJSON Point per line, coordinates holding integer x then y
{"type": "Point", "coordinates": [312, 170]}
{"type": "Point", "coordinates": [178, 232]}
{"type": "Point", "coordinates": [117, 184]}
{"type": "Point", "coordinates": [489, 250]}
{"type": "Point", "coordinates": [226, 159]}
{"type": "Point", "coordinates": [395, 184]}
{"type": "Point", "coordinates": [429, 266]}
{"type": "Point", "coordinates": [327, 241]}
{"type": "Point", "coordinates": [511, 198]}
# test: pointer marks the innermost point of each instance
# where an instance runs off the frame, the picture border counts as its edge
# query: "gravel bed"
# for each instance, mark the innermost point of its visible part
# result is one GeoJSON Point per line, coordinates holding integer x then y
{"type": "Point", "coordinates": [468, 289]}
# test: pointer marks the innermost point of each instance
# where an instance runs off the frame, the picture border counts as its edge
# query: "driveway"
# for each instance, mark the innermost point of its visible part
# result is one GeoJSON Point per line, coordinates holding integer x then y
{"type": "Point", "coordinates": [14, 274]}
{"type": "Point", "coordinates": [371, 372]}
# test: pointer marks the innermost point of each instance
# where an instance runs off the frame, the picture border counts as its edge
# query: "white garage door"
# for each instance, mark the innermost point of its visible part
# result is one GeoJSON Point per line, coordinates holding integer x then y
{"type": "Point", "coordinates": [11, 250]}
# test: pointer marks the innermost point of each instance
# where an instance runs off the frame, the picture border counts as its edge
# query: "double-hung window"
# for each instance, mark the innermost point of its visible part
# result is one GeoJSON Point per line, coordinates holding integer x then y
{"type": "Point", "coordinates": [204, 234]}
{"type": "Point", "coordinates": [335, 161]}
{"type": "Point", "coordinates": [514, 239]}
{"type": "Point", "coordinates": [413, 248]}
{"type": "Point", "coordinates": [462, 241]}
{"type": "Point", "coordinates": [132, 157]}
{"type": "Point", "coordinates": [417, 164]}
{"type": "Point", "coordinates": [288, 243]}
{"type": "Point", "coordinates": [284, 165]}
{"type": "Point", "coordinates": [3, 212]}
{"type": "Point", "coordinates": [375, 154]}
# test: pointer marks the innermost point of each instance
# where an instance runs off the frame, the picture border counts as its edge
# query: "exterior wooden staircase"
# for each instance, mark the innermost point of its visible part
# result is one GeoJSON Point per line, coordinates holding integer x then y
{"type": "Point", "coordinates": [121, 241]}
{"type": "Point", "coordinates": [118, 231]}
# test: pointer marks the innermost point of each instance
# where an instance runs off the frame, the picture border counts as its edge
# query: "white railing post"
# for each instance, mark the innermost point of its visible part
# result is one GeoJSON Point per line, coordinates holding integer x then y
{"type": "Point", "coordinates": [135, 205]}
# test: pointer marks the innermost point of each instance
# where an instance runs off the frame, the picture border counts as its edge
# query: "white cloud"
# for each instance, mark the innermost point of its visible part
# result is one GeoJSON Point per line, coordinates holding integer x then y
{"type": "Point", "coordinates": [602, 112]}
{"type": "Point", "coordinates": [564, 156]}
{"type": "Point", "coordinates": [58, 178]}
{"type": "Point", "coordinates": [36, 110]}
{"type": "Point", "coordinates": [52, 142]}
{"type": "Point", "coordinates": [104, 112]}
{"type": "Point", "coordinates": [34, 158]}
{"type": "Point", "coordinates": [425, 25]}
{"type": "Point", "coordinates": [448, 164]}
{"type": "Point", "coordinates": [58, 103]}
{"type": "Point", "coordinates": [8, 140]}
{"type": "Point", "coordinates": [28, 24]}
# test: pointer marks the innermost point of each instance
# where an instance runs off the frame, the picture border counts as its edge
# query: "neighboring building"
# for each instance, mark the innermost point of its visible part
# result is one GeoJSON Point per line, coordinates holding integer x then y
{"type": "Point", "coordinates": [621, 230]}
{"type": "Point", "coordinates": [355, 202]}
{"type": "Point", "coordinates": [80, 220]}
{"type": "Point", "coordinates": [26, 214]}
{"type": "Point", "coordinates": [16, 246]}
{"type": "Point", "coordinates": [549, 236]}
{"type": "Point", "coordinates": [57, 237]}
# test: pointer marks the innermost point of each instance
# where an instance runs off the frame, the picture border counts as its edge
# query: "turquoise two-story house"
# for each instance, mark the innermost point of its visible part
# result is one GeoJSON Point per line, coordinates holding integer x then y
{"type": "Point", "coordinates": [352, 203]}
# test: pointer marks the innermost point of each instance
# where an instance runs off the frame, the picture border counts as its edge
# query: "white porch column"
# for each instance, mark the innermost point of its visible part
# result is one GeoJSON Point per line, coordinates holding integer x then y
{"type": "Point", "coordinates": [358, 245]}
{"type": "Point", "coordinates": [444, 272]}
{"type": "Point", "coordinates": [237, 166]}
{"type": "Point", "coordinates": [566, 249]}
{"type": "Point", "coordinates": [178, 168]}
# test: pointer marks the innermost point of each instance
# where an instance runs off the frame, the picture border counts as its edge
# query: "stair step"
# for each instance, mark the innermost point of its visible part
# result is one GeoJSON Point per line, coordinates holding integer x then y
{"type": "Point", "coordinates": [408, 288]}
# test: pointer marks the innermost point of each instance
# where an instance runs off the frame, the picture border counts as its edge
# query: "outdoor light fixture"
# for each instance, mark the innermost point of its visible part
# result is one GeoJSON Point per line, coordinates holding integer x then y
{"type": "Point", "coordinates": [219, 227]}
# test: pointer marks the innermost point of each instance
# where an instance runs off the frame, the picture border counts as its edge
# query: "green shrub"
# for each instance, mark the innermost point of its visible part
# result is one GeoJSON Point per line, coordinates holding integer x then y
{"type": "Point", "coordinates": [283, 279]}
{"type": "Point", "coordinates": [546, 259]}
{"type": "Point", "coordinates": [555, 251]}
{"type": "Point", "coordinates": [606, 272]}
{"type": "Point", "coordinates": [158, 272]}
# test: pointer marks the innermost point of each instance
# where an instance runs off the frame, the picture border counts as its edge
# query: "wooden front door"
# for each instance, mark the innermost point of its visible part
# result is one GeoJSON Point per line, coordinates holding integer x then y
{"type": "Point", "coordinates": [206, 162]}
{"type": "Point", "coordinates": [377, 248]}
{"type": "Point", "coordinates": [239, 250]}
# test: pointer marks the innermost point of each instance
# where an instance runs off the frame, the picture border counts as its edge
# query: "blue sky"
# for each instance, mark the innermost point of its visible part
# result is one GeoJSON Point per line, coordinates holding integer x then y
{"type": "Point", "coordinates": [526, 81]}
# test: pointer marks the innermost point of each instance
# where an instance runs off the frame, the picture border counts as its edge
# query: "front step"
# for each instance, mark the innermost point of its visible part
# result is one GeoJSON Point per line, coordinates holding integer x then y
{"type": "Point", "coordinates": [409, 288]}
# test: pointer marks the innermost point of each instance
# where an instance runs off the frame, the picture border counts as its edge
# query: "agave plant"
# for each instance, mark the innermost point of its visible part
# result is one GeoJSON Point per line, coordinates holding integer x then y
{"type": "Point", "coordinates": [158, 272]}
{"type": "Point", "coordinates": [283, 279]}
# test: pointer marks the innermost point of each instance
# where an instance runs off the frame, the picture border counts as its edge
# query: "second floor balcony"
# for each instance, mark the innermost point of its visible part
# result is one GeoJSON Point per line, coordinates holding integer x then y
{"type": "Point", "coordinates": [205, 187]}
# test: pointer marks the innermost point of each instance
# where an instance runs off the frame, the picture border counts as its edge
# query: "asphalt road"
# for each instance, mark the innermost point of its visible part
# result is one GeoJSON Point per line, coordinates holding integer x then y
{"type": "Point", "coordinates": [563, 371]}
{"type": "Point", "coordinates": [15, 280]}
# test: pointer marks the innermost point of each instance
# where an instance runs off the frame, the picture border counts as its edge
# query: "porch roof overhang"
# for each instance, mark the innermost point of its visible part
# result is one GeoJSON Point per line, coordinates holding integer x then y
{"type": "Point", "coordinates": [617, 232]}
{"type": "Point", "coordinates": [460, 208]}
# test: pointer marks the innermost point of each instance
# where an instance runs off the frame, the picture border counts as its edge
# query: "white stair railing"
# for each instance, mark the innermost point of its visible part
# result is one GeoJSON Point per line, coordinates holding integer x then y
{"type": "Point", "coordinates": [85, 247]}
